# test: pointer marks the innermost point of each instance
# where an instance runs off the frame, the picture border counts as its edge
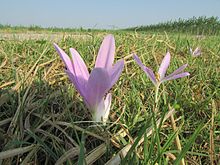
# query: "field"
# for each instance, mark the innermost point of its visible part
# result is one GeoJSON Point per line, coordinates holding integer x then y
{"type": "Point", "coordinates": [43, 119]}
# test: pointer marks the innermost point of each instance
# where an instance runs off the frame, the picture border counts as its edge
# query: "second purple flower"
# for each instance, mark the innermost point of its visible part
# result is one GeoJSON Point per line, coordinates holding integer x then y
{"type": "Point", "coordinates": [160, 77]}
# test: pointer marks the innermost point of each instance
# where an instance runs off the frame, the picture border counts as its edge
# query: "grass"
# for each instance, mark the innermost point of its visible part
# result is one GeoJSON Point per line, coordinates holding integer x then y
{"type": "Point", "coordinates": [43, 119]}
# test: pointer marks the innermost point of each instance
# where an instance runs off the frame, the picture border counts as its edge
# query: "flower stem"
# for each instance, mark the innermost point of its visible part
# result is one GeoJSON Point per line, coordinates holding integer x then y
{"type": "Point", "coordinates": [156, 97]}
{"type": "Point", "coordinates": [154, 111]}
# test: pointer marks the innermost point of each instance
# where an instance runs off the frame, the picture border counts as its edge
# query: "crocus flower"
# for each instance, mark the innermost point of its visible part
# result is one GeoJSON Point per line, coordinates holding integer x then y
{"type": "Point", "coordinates": [94, 86]}
{"type": "Point", "coordinates": [160, 77]}
{"type": "Point", "coordinates": [196, 52]}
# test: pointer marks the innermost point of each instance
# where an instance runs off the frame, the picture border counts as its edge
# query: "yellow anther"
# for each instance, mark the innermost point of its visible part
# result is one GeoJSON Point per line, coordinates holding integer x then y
{"type": "Point", "coordinates": [157, 75]}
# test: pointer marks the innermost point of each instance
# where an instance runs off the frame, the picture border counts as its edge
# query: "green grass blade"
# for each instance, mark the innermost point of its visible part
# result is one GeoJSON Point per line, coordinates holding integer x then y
{"type": "Point", "coordinates": [81, 159]}
{"type": "Point", "coordinates": [188, 145]}
{"type": "Point", "coordinates": [43, 145]}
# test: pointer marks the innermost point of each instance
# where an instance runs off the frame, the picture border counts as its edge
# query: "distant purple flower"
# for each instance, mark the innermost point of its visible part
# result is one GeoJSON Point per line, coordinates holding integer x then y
{"type": "Point", "coordinates": [196, 52]}
{"type": "Point", "coordinates": [93, 87]}
{"type": "Point", "coordinates": [160, 77]}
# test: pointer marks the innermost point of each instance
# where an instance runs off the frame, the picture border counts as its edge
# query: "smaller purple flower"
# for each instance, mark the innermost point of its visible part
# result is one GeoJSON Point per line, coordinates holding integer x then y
{"type": "Point", "coordinates": [196, 52]}
{"type": "Point", "coordinates": [160, 77]}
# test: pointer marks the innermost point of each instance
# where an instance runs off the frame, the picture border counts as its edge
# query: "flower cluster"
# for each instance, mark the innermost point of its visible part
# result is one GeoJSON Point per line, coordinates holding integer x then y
{"type": "Point", "coordinates": [94, 86]}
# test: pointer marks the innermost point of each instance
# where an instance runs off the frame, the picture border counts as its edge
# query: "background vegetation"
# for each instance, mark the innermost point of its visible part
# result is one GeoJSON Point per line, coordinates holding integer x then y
{"type": "Point", "coordinates": [196, 26]}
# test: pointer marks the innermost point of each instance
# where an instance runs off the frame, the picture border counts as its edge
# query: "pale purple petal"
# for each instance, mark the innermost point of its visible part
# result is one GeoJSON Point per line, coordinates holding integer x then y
{"type": "Point", "coordinates": [79, 65]}
{"type": "Point", "coordinates": [180, 69]}
{"type": "Point", "coordinates": [65, 58]}
{"type": "Point", "coordinates": [106, 53]}
{"type": "Point", "coordinates": [107, 102]}
{"type": "Point", "coordinates": [97, 86]}
{"type": "Point", "coordinates": [103, 109]}
{"type": "Point", "coordinates": [196, 52]}
{"type": "Point", "coordinates": [164, 65]}
{"type": "Point", "coordinates": [97, 113]}
{"type": "Point", "coordinates": [115, 71]}
{"type": "Point", "coordinates": [175, 76]}
{"type": "Point", "coordinates": [147, 70]}
{"type": "Point", "coordinates": [75, 80]}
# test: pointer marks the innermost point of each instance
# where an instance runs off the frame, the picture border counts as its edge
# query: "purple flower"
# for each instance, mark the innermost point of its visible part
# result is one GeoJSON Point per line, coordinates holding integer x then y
{"type": "Point", "coordinates": [94, 86]}
{"type": "Point", "coordinates": [196, 52]}
{"type": "Point", "coordinates": [160, 77]}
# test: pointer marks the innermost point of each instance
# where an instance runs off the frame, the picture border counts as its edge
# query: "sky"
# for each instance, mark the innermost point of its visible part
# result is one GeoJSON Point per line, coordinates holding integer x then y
{"type": "Point", "coordinates": [104, 14]}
